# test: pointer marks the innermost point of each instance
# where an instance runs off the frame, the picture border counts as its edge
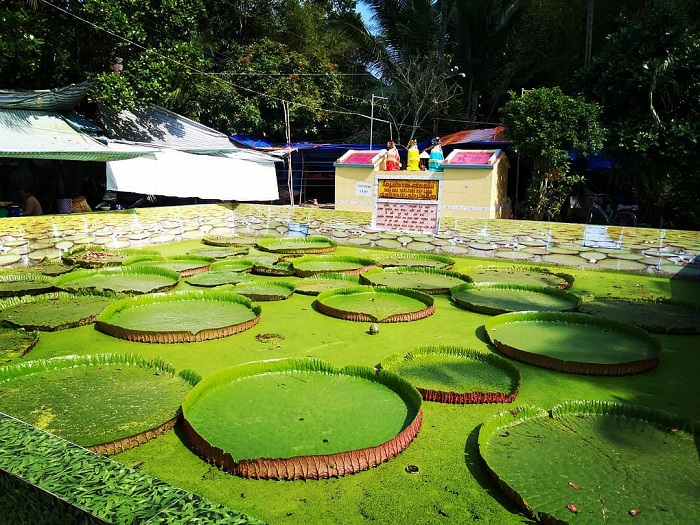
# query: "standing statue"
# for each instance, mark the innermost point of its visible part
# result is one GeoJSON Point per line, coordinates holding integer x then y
{"type": "Point", "coordinates": [413, 163]}
{"type": "Point", "coordinates": [393, 161]}
{"type": "Point", "coordinates": [436, 157]}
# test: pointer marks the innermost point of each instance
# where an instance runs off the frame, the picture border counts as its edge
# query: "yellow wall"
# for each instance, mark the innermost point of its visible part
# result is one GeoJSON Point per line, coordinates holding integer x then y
{"type": "Point", "coordinates": [346, 186]}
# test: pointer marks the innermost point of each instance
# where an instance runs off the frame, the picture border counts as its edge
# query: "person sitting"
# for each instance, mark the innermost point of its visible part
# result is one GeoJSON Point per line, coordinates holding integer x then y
{"type": "Point", "coordinates": [393, 161]}
{"type": "Point", "coordinates": [30, 204]}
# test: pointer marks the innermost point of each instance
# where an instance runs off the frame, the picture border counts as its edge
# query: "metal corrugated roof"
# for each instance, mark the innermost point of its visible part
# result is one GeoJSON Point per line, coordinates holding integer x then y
{"type": "Point", "coordinates": [59, 99]}
{"type": "Point", "coordinates": [46, 135]}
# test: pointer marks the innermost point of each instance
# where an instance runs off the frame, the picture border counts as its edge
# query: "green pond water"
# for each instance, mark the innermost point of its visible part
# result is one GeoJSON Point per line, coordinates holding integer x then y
{"type": "Point", "coordinates": [581, 343]}
{"type": "Point", "coordinates": [282, 415]}
{"type": "Point", "coordinates": [182, 316]}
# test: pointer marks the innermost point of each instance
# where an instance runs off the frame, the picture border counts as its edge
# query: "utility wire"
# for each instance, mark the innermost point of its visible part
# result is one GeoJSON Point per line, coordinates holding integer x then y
{"type": "Point", "coordinates": [204, 73]}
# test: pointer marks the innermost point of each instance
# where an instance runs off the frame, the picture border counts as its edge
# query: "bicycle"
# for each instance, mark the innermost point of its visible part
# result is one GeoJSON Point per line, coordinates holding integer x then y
{"type": "Point", "coordinates": [602, 211]}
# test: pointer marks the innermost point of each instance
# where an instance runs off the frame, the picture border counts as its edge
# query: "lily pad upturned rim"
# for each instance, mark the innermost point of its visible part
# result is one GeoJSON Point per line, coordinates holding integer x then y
{"type": "Point", "coordinates": [11, 371]}
{"type": "Point", "coordinates": [354, 280]}
{"type": "Point", "coordinates": [31, 338]}
{"type": "Point", "coordinates": [567, 279]}
{"type": "Point", "coordinates": [363, 264]}
{"type": "Point", "coordinates": [426, 299]}
{"type": "Point", "coordinates": [228, 240]}
{"type": "Point", "coordinates": [274, 295]}
{"type": "Point", "coordinates": [462, 398]}
{"type": "Point", "coordinates": [176, 336]}
{"type": "Point", "coordinates": [366, 276]}
{"type": "Point", "coordinates": [324, 244]}
{"type": "Point", "coordinates": [448, 262]}
{"type": "Point", "coordinates": [498, 425]}
{"type": "Point", "coordinates": [64, 282]}
{"type": "Point", "coordinates": [13, 301]}
{"type": "Point", "coordinates": [200, 263]}
{"type": "Point", "coordinates": [575, 367]}
{"type": "Point", "coordinates": [309, 466]}
{"type": "Point", "coordinates": [574, 300]}
{"type": "Point", "coordinates": [656, 328]}
{"type": "Point", "coordinates": [72, 256]}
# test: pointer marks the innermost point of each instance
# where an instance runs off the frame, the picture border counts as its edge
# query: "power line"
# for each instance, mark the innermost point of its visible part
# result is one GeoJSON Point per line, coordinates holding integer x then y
{"type": "Point", "coordinates": [198, 71]}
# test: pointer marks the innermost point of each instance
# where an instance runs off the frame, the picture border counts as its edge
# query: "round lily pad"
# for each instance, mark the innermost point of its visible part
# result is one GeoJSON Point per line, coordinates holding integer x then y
{"type": "Point", "coordinates": [185, 265]}
{"type": "Point", "coordinates": [300, 419]}
{"type": "Point", "coordinates": [664, 317]}
{"type": "Point", "coordinates": [217, 278]}
{"type": "Point", "coordinates": [228, 240]}
{"type": "Point", "coordinates": [297, 245]}
{"type": "Point", "coordinates": [232, 265]}
{"type": "Point", "coordinates": [574, 342]}
{"type": "Point", "coordinates": [219, 253]}
{"type": "Point", "coordinates": [499, 298]}
{"type": "Point", "coordinates": [322, 282]}
{"type": "Point", "coordinates": [50, 267]}
{"type": "Point", "coordinates": [134, 278]}
{"type": "Point", "coordinates": [108, 403]}
{"type": "Point", "coordinates": [314, 264]}
{"type": "Point", "coordinates": [449, 374]}
{"type": "Point", "coordinates": [385, 305]}
{"type": "Point", "coordinates": [522, 275]}
{"type": "Point", "coordinates": [276, 269]}
{"type": "Point", "coordinates": [94, 256]}
{"type": "Point", "coordinates": [265, 290]}
{"type": "Point", "coordinates": [439, 262]}
{"type": "Point", "coordinates": [16, 342]}
{"type": "Point", "coordinates": [595, 462]}
{"type": "Point", "coordinates": [54, 311]}
{"type": "Point", "coordinates": [24, 284]}
{"type": "Point", "coordinates": [179, 317]}
{"type": "Point", "coordinates": [426, 280]}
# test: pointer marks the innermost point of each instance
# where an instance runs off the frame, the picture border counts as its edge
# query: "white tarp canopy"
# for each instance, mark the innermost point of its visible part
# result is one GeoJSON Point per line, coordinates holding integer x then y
{"type": "Point", "coordinates": [178, 174]}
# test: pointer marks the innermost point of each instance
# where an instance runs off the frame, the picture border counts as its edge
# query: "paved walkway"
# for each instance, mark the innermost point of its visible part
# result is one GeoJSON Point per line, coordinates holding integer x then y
{"type": "Point", "coordinates": [27, 240]}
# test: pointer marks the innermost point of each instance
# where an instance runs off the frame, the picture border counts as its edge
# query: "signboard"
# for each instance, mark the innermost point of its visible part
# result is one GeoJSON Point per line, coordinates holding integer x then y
{"type": "Point", "coordinates": [363, 189]}
{"type": "Point", "coordinates": [399, 216]}
{"type": "Point", "coordinates": [409, 189]}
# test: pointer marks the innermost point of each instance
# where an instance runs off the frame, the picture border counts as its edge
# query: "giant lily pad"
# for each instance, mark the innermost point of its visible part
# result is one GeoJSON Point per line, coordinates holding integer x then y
{"type": "Point", "coordinates": [229, 240]}
{"type": "Point", "coordinates": [265, 290]}
{"type": "Point", "coordinates": [322, 282]}
{"type": "Point", "coordinates": [426, 280]}
{"type": "Point", "coordinates": [54, 311]}
{"type": "Point", "coordinates": [107, 402]}
{"type": "Point", "coordinates": [218, 278]}
{"type": "Point", "coordinates": [499, 298]}
{"type": "Point", "coordinates": [135, 278]}
{"type": "Point", "coordinates": [593, 462]}
{"type": "Point", "coordinates": [16, 342]}
{"type": "Point", "coordinates": [185, 265]}
{"type": "Point", "coordinates": [297, 245]}
{"type": "Point", "coordinates": [95, 256]}
{"type": "Point", "coordinates": [300, 419]}
{"type": "Point", "coordinates": [179, 317]}
{"type": "Point", "coordinates": [529, 275]}
{"type": "Point", "coordinates": [457, 375]}
{"type": "Point", "coordinates": [665, 317]}
{"type": "Point", "coordinates": [24, 284]}
{"type": "Point", "coordinates": [314, 264]}
{"type": "Point", "coordinates": [418, 260]}
{"type": "Point", "coordinates": [574, 342]}
{"type": "Point", "coordinates": [385, 305]}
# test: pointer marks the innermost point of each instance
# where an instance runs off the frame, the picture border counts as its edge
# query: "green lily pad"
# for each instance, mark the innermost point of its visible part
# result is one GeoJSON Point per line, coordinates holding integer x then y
{"type": "Point", "coordinates": [217, 278]}
{"type": "Point", "coordinates": [522, 275]}
{"type": "Point", "coordinates": [93, 400]}
{"type": "Point", "coordinates": [499, 298]}
{"type": "Point", "coordinates": [300, 418]}
{"type": "Point", "coordinates": [593, 462]}
{"type": "Point", "coordinates": [664, 317]}
{"type": "Point", "coordinates": [574, 342]}
{"type": "Point", "coordinates": [225, 240]}
{"type": "Point", "coordinates": [16, 342]}
{"type": "Point", "coordinates": [232, 265]}
{"type": "Point", "coordinates": [426, 280]}
{"type": "Point", "coordinates": [457, 375]}
{"type": "Point", "coordinates": [297, 245]}
{"type": "Point", "coordinates": [24, 284]}
{"type": "Point", "coordinates": [94, 256]}
{"type": "Point", "coordinates": [322, 282]}
{"type": "Point", "coordinates": [54, 311]}
{"type": "Point", "coordinates": [363, 303]}
{"type": "Point", "coordinates": [135, 278]}
{"type": "Point", "coordinates": [185, 265]}
{"type": "Point", "coordinates": [439, 262]}
{"type": "Point", "coordinates": [314, 264]}
{"type": "Point", "coordinates": [179, 317]}
{"type": "Point", "coordinates": [265, 290]}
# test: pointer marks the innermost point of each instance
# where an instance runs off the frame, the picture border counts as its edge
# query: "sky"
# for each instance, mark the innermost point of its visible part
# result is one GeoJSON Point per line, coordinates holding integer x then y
{"type": "Point", "coordinates": [365, 13]}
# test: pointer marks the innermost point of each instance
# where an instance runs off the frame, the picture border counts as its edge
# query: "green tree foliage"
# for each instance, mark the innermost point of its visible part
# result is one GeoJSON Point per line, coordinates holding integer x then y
{"type": "Point", "coordinates": [546, 125]}
{"type": "Point", "coordinates": [647, 77]}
